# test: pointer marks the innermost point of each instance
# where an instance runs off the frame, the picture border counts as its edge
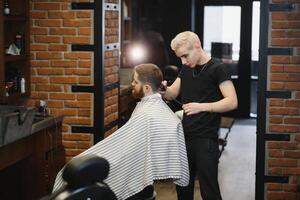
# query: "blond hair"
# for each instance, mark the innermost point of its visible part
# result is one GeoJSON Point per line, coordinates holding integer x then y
{"type": "Point", "coordinates": [186, 38]}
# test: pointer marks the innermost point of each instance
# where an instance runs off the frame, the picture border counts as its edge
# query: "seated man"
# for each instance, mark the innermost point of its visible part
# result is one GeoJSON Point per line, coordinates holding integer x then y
{"type": "Point", "coordinates": [150, 146]}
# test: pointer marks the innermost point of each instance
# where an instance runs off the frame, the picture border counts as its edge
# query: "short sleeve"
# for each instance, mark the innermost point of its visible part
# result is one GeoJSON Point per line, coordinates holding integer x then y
{"type": "Point", "coordinates": [180, 74]}
{"type": "Point", "coordinates": [222, 73]}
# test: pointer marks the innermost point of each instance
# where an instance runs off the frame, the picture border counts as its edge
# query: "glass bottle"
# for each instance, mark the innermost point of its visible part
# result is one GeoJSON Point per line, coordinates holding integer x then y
{"type": "Point", "coordinates": [20, 42]}
{"type": "Point", "coordinates": [6, 8]}
{"type": "Point", "coordinates": [23, 85]}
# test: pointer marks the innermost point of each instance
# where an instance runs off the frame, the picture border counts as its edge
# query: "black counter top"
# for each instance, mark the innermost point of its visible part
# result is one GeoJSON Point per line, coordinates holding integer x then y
{"type": "Point", "coordinates": [44, 122]}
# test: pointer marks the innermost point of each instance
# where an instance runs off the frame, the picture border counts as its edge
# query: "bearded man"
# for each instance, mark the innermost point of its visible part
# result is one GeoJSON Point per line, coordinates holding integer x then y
{"type": "Point", "coordinates": [150, 146]}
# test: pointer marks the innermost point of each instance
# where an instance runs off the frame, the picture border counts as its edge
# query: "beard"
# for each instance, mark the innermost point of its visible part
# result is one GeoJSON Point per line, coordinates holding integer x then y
{"type": "Point", "coordinates": [137, 93]}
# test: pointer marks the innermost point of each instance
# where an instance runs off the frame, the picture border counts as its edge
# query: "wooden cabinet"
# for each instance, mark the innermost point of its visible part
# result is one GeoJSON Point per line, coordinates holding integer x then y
{"type": "Point", "coordinates": [14, 29]}
{"type": "Point", "coordinates": [28, 167]}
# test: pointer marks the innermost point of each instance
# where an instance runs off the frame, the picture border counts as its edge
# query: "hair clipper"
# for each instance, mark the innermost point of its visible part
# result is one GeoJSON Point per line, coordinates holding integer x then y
{"type": "Point", "coordinates": [162, 88]}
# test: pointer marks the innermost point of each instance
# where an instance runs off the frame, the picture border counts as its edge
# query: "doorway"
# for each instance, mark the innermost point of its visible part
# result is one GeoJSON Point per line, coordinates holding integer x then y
{"type": "Point", "coordinates": [227, 34]}
{"type": "Point", "coordinates": [230, 31]}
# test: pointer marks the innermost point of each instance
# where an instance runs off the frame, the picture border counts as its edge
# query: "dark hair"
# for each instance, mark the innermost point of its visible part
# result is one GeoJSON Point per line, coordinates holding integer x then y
{"type": "Point", "coordinates": [149, 74]}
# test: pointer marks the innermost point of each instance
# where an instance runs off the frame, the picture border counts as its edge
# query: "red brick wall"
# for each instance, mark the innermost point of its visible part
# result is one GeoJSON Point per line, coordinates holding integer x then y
{"type": "Point", "coordinates": [283, 158]}
{"type": "Point", "coordinates": [55, 68]}
{"type": "Point", "coordinates": [111, 63]}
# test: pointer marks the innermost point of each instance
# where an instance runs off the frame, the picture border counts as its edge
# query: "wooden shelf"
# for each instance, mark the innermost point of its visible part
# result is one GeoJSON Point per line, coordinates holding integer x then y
{"type": "Point", "coordinates": [17, 95]}
{"type": "Point", "coordinates": [15, 67]}
{"type": "Point", "coordinates": [15, 98]}
{"type": "Point", "coordinates": [127, 18]}
{"type": "Point", "coordinates": [11, 58]}
{"type": "Point", "coordinates": [15, 18]}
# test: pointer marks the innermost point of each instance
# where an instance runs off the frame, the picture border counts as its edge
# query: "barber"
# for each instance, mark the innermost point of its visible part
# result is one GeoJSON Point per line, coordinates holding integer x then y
{"type": "Point", "coordinates": [206, 92]}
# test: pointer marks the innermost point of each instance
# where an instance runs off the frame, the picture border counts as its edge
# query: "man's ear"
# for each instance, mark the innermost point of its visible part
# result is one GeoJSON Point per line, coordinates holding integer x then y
{"type": "Point", "coordinates": [147, 88]}
{"type": "Point", "coordinates": [197, 45]}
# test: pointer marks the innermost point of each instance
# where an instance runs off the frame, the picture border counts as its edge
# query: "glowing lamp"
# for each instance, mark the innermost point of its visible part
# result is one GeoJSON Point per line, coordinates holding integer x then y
{"type": "Point", "coordinates": [137, 53]}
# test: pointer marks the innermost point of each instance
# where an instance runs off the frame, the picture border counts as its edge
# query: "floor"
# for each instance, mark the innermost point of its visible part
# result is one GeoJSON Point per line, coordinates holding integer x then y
{"type": "Point", "coordinates": [236, 168]}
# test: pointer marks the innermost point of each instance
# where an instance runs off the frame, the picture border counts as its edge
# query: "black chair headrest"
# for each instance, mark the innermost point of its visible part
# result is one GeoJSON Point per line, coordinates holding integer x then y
{"type": "Point", "coordinates": [171, 70]}
{"type": "Point", "coordinates": [170, 73]}
{"type": "Point", "coordinates": [85, 170]}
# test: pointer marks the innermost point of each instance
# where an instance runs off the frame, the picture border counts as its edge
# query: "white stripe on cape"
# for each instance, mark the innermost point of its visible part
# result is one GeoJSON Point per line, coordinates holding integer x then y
{"type": "Point", "coordinates": [150, 146]}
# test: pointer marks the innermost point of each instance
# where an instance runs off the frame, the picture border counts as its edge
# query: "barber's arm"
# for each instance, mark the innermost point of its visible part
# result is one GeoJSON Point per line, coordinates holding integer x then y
{"type": "Point", "coordinates": [172, 91]}
{"type": "Point", "coordinates": [228, 103]}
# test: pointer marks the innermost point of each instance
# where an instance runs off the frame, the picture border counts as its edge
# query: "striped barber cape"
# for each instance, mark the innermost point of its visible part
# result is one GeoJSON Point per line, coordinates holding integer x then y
{"type": "Point", "coordinates": [150, 146]}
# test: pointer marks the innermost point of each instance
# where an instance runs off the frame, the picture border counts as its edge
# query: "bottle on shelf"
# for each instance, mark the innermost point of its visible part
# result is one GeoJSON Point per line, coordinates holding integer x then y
{"type": "Point", "coordinates": [20, 42]}
{"type": "Point", "coordinates": [6, 8]}
{"type": "Point", "coordinates": [42, 108]}
{"type": "Point", "coordinates": [6, 90]}
{"type": "Point", "coordinates": [125, 10]}
{"type": "Point", "coordinates": [23, 85]}
{"type": "Point", "coordinates": [12, 79]}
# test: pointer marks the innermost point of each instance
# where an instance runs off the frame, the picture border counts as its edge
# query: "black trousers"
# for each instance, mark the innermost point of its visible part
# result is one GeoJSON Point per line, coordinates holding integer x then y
{"type": "Point", "coordinates": [203, 157]}
{"type": "Point", "coordinates": [146, 193]}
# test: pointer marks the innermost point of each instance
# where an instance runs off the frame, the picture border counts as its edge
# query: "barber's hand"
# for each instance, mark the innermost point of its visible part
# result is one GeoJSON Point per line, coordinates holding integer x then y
{"type": "Point", "coordinates": [163, 87]}
{"type": "Point", "coordinates": [194, 108]}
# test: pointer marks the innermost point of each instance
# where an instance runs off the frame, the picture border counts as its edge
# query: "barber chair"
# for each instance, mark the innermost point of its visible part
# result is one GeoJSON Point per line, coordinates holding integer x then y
{"type": "Point", "coordinates": [84, 177]}
{"type": "Point", "coordinates": [226, 123]}
{"type": "Point", "coordinates": [170, 73]}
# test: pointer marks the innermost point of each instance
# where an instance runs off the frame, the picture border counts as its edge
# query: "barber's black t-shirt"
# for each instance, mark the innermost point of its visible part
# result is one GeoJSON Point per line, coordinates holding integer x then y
{"type": "Point", "coordinates": [201, 84]}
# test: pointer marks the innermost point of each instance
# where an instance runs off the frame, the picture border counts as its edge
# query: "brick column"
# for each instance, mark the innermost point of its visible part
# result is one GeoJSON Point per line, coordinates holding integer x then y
{"type": "Point", "coordinates": [55, 67]}
{"type": "Point", "coordinates": [283, 157]}
{"type": "Point", "coordinates": [111, 66]}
